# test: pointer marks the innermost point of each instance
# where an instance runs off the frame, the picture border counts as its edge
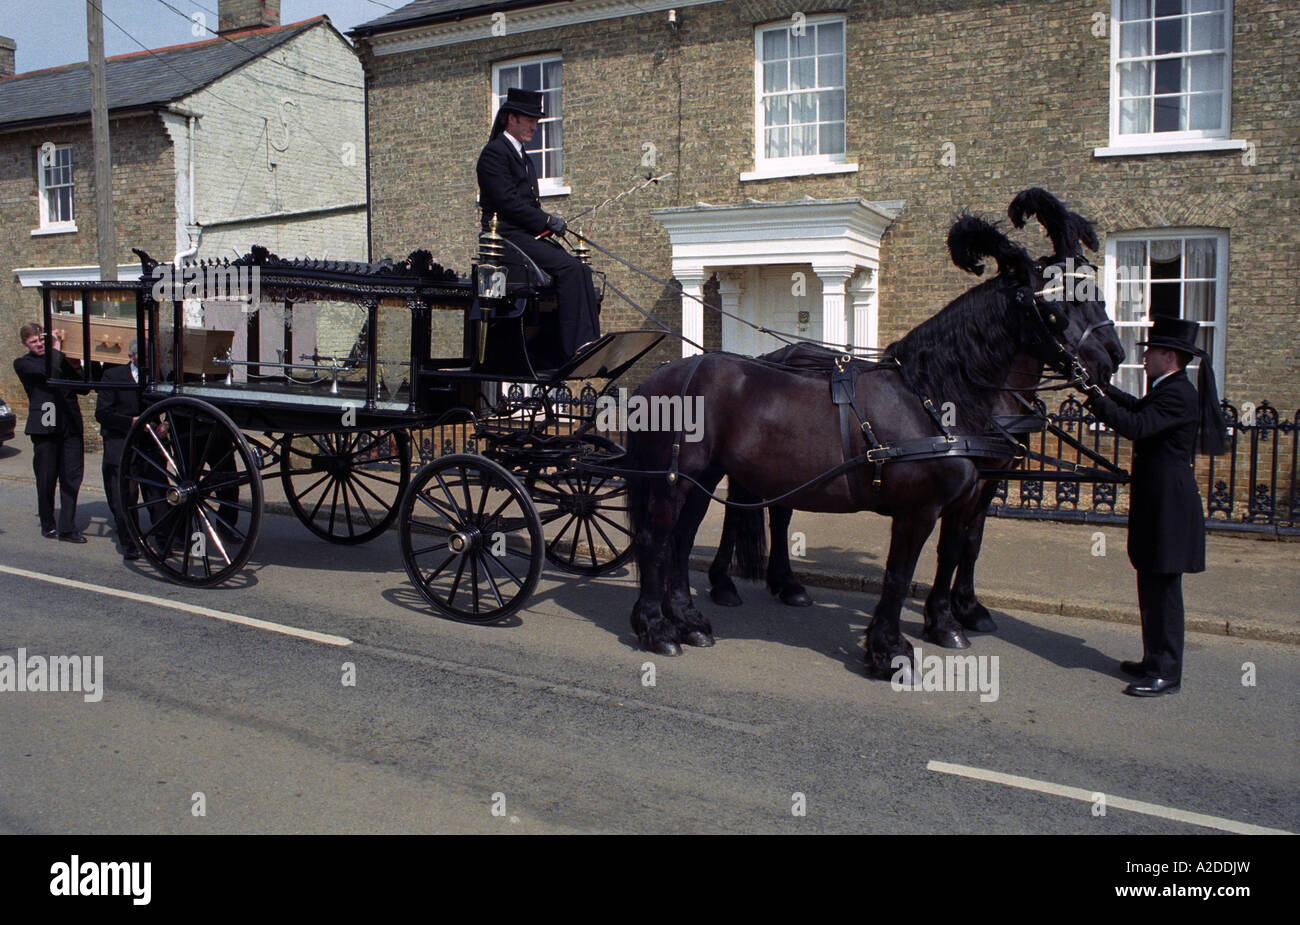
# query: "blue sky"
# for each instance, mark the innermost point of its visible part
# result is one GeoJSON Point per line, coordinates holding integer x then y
{"type": "Point", "coordinates": [53, 32]}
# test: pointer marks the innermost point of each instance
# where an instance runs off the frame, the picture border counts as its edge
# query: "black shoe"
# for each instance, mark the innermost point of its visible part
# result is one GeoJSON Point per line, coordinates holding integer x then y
{"type": "Point", "coordinates": [1135, 669]}
{"type": "Point", "coordinates": [130, 555]}
{"type": "Point", "coordinates": [1152, 687]}
{"type": "Point", "coordinates": [50, 534]}
{"type": "Point", "coordinates": [71, 538]}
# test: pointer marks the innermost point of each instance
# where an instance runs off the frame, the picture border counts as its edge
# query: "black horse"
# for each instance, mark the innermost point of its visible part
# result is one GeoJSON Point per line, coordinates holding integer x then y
{"type": "Point", "coordinates": [778, 446]}
{"type": "Point", "coordinates": [742, 528]}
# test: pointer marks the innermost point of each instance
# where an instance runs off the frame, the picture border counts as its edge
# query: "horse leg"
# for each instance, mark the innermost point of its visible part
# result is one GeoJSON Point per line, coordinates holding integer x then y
{"type": "Point", "coordinates": [780, 577]}
{"type": "Point", "coordinates": [969, 612]}
{"type": "Point", "coordinates": [940, 626]}
{"type": "Point", "coordinates": [884, 642]}
{"type": "Point", "coordinates": [722, 590]}
{"type": "Point", "coordinates": [693, 627]}
{"type": "Point", "coordinates": [654, 513]}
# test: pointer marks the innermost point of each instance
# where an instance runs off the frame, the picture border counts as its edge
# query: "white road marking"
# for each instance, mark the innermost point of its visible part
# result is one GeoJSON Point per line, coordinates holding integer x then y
{"type": "Point", "coordinates": [240, 619]}
{"type": "Point", "coordinates": [1078, 793]}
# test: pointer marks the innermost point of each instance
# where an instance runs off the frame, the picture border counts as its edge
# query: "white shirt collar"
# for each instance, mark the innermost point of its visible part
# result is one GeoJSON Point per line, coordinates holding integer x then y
{"type": "Point", "coordinates": [135, 373]}
{"type": "Point", "coordinates": [1161, 379]}
{"type": "Point", "coordinates": [515, 143]}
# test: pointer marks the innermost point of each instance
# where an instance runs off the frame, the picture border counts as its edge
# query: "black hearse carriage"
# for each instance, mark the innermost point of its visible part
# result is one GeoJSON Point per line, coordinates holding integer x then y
{"type": "Point", "coordinates": [321, 370]}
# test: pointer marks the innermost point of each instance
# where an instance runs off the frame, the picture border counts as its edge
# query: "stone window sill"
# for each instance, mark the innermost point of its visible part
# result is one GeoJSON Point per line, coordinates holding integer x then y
{"type": "Point", "coordinates": [68, 228]}
{"type": "Point", "coordinates": [1170, 147]}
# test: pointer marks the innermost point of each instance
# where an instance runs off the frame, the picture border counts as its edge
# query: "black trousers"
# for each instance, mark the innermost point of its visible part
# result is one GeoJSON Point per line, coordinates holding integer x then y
{"type": "Point", "coordinates": [1160, 599]}
{"type": "Point", "coordinates": [575, 292]}
{"type": "Point", "coordinates": [115, 504]}
{"type": "Point", "coordinates": [58, 458]}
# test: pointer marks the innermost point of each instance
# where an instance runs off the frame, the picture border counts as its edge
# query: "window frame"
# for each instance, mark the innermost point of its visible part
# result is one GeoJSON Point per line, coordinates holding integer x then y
{"type": "Point", "coordinates": [1185, 140]}
{"type": "Point", "coordinates": [1219, 324]}
{"type": "Point", "coordinates": [546, 186]}
{"type": "Point", "coordinates": [45, 225]}
{"type": "Point", "coordinates": [802, 165]}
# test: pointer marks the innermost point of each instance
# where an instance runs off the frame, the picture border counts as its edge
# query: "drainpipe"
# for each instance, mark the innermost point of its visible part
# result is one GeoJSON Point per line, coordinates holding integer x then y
{"type": "Point", "coordinates": [192, 227]}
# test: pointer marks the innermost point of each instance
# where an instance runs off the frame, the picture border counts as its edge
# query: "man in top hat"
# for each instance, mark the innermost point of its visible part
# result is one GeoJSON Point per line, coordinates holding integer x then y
{"type": "Point", "coordinates": [54, 424]}
{"type": "Point", "coordinates": [507, 183]}
{"type": "Point", "coordinates": [116, 410]}
{"type": "Point", "coordinates": [1166, 522]}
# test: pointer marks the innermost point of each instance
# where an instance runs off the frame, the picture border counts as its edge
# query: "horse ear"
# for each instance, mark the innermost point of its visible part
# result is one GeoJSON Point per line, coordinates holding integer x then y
{"type": "Point", "coordinates": [971, 238]}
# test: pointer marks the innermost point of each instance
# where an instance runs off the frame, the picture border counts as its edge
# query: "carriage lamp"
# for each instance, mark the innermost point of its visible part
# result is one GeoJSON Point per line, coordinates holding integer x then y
{"type": "Point", "coordinates": [582, 251]}
{"type": "Point", "coordinates": [489, 279]}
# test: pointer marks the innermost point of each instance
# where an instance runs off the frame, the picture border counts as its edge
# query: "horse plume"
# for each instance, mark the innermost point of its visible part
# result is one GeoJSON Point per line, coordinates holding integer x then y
{"type": "Point", "coordinates": [971, 238]}
{"type": "Point", "coordinates": [1066, 229]}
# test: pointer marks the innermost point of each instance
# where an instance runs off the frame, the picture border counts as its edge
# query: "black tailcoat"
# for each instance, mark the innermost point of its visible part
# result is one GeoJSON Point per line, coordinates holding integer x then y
{"type": "Point", "coordinates": [115, 410]}
{"type": "Point", "coordinates": [1166, 521]}
{"type": "Point", "coordinates": [507, 187]}
{"type": "Point", "coordinates": [67, 413]}
{"type": "Point", "coordinates": [57, 449]}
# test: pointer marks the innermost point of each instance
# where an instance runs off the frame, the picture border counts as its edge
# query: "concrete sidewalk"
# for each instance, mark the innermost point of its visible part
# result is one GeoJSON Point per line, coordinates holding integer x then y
{"type": "Point", "coordinates": [1251, 588]}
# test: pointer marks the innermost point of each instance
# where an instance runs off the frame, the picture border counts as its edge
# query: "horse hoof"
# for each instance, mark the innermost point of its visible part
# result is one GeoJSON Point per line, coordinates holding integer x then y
{"type": "Point", "coordinates": [725, 597]}
{"type": "Point", "coordinates": [698, 638]}
{"type": "Point", "coordinates": [795, 596]}
{"type": "Point", "coordinates": [664, 647]}
{"type": "Point", "coordinates": [948, 639]}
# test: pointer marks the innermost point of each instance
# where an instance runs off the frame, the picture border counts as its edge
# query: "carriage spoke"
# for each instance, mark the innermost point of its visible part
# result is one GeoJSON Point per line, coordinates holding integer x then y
{"type": "Point", "coordinates": [438, 571]}
{"type": "Point", "coordinates": [428, 549]}
{"type": "Point", "coordinates": [492, 581]}
{"type": "Point", "coordinates": [460, 573]}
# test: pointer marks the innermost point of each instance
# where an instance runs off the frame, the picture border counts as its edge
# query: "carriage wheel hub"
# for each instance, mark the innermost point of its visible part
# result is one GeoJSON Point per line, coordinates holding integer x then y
{"type": "Point", "coordinates": [464, 541]}
{"type": "Point", "coordinates": [179, 494]}
{"type": "Point", "coordinates": [336, 466]}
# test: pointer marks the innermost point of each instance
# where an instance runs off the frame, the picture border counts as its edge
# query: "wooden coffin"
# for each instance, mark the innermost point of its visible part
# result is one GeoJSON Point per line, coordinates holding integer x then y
{"type": "Point", "coordinates": [203, 348]}
{"type": "Point", "coordinates": [109, 337]}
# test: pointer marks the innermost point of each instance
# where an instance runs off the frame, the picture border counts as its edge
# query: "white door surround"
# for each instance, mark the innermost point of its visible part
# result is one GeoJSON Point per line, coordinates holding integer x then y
{"type": "Point", "coordinates": [838, 238]}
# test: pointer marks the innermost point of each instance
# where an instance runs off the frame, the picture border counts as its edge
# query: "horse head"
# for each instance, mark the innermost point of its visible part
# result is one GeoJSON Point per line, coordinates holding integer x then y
{"type": "Point", "coordinates": [1069, 292]}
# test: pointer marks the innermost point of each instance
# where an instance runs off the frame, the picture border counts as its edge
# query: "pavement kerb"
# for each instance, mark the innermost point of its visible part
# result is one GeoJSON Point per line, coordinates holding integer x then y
{"type": "Point", "coordinates": [1198, 622]}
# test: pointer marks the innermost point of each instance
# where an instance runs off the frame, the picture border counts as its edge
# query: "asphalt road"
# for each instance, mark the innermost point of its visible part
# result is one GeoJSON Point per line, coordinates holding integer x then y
{"type": "Point", "coordinates": [545, 725]}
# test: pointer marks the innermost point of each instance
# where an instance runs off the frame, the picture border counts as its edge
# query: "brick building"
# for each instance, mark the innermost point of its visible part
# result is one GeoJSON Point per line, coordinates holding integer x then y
{"type": "Point", "coordinates": [256, 135]}
{"type": "Point", "coordinates": [820, 149]}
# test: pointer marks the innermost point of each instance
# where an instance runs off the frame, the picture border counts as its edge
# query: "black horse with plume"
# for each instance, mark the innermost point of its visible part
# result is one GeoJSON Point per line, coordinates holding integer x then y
{"type": "Point", "coordinates": [742, 529]}
{"type": "Point", "coordinates": [776, 433]}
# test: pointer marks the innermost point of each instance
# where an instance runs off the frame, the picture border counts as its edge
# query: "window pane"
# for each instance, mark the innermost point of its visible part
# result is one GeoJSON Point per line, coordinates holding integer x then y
{"type": "Point", "coordinates": [554, 134]}
{"type": "Point", "coordinates": [1166, 299]}
{"type": "Point", "coordinates": [1200, 258]}
{"type": "Point", "coordinates": [1166, 258]}
{"type": "Point", "coordinates": [1207, 32]}
{"type": "Point", "coordinates": [1205, 340]}
{"type": "Point", "coordinates": [1206, 73]}
{"type": "Point", "coordinates": [1133, 255]}
{"type": "Point", "coordinates": [1169, 36]}
{"type": "Point", "coordinates": [552, 73]}
{"type": "Point", "coordinates": [1134, 79]}
{"type": "Point", "coordinates": [1169, 113]}
{"type": "Point", "coordinates": [830, 37]}
{"type": "Point", "coordinates": [551, 104]}
{"type": "Point", "coordinates": [801, 45]}
{"type": "Point", "coordinates": [777, 143]}
{"type": "Point", "coordinates": [775, 76]}
{"type": "Point", "coordinates": [1134, 9]}
{"type": "Point", "coordinates": [776, 111]}
{"type": "Point", "coordinates": [1169, 76]}
{"type": "Point", "coordinates": [803, 107]}
{"type": "Point", "coordinates": [1198, 6]}
{"type": "Point", "coordinates": [830, 71]}
{"type": "Point", "coordinates": [832, 138]}
{"type": "Point", "coordinates": [1135, 39]}
{"type": "Point", "coordinates": [803, 73]}
{"type": "Point", "coordinates": [1198, 301]}
{"type": "Point", "coordinates": [831, 106]}
{"type": "Point", "coordinates": [530, 77]}
{"type": "Point", "coordinates": [1129, 335]}
{"type": "Point", "coordinates": [1206, 111]}
{"type": "Point", "coordinates": [803, 140]}
{"type": "Point", "coordinates": [1169, 7]}
{"type": "Point", "coordinates": [507, 77]}
{"type": "Point", "coordinates": [774, 44]}
{"type": "Point", "coordinates": [1135, 116]}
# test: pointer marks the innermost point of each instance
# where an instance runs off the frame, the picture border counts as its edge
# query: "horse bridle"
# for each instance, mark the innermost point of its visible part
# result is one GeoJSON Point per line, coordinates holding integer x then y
{"type": "Point", "coordinates": [1066, 358]}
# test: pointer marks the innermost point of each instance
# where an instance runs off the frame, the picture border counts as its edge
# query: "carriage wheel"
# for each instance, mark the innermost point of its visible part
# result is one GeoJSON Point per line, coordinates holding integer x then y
{"type": "Point", "coordinates": [345, 487]}
{"type": "Point", "coordinates": [584, 515]}
{"type": "Point", "coordinates": [192, 491]}
{"type": "Point", "coordinates": [471, 538]}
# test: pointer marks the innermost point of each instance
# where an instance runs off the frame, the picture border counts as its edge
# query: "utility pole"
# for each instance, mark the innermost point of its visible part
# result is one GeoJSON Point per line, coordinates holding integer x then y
{"type": "Point", "coordinates": [105, 232]}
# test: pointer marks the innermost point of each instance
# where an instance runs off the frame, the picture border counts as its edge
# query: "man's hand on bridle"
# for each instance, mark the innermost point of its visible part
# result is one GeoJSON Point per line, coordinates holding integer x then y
{"type": "Point", "coordinates": [1083, 382]}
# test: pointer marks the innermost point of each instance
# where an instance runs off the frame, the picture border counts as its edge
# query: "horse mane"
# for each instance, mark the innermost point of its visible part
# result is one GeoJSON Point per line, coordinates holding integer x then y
{"type": "Point", "coordinates": [951, 356]}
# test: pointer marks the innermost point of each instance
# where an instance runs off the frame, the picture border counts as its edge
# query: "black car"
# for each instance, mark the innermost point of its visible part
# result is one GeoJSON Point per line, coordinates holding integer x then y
{"type": "Point", "coordinates": [8, 421]}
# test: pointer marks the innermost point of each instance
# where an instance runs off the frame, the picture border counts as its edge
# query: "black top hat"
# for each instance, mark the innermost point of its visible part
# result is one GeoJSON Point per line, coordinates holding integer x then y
{"type": "Point", "coordinates": [1174, 334]}
{"type": "Point", "coordinates": [524, 102]}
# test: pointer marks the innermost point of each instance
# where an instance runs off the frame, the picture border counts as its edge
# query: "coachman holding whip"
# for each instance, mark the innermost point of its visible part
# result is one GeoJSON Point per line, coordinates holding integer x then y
{"type": "Point", "coordinates": [1166, 522]}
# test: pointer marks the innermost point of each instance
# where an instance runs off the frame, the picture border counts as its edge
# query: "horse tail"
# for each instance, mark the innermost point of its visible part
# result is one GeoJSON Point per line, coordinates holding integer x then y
{"type": "Point", "coordinates": [972, 237]}
{"type": "Point", "coordinates": [750, 536]}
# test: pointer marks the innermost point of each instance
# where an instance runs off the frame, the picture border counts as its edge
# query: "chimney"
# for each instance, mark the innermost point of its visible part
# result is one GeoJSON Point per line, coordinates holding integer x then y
{"type": "Point", "coordinates": [8, 47]}
{"type": "Point", "coordinates": [237, 15]}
